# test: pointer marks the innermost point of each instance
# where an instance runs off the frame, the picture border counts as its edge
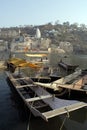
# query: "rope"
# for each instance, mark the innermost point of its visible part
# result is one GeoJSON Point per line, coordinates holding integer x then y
{"type": "Point", "coordinates": [69, 93]}
{"type": "Point", "coordinates": [28, 127]}
{"type": "Point", "coordinates": [33, 101]}
{"type": "Point", "coordinates": [68, 115]}
{"type": "Point", "coordinates": [65, 119]}
{"type": "Point", "coordinates": [63, 122]}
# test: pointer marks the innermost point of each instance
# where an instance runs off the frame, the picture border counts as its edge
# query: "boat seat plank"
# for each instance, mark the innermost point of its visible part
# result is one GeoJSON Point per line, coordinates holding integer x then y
{"type": "Point", "coordinates": [73, 87]}
{"type": "Point", "coordinates": [63, 110]}
{"type": "Point", "coordinates": [38, 98]}
{"type": "Point", "coordinates": [26, 85]}
{"type": "Point", "coordinates": [20, 78]}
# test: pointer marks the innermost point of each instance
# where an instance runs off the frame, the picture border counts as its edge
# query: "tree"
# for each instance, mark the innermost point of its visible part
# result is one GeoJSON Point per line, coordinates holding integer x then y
{"type": "Point", "coordinates": [67, 24]}
{"type": "Point", "coordinates": [56, 22]}
{"type": "Point", "coordinates": [83, 27]}
{"type": "Point", "coordinates": [74, 25]}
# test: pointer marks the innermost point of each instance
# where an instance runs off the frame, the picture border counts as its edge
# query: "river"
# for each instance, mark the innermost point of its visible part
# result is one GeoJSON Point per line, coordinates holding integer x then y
{"type": "Point", "coordinates": [15, 116]}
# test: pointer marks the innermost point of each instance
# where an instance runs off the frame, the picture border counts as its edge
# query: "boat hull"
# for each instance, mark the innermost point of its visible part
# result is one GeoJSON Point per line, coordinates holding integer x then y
{"type": "Point", "coordinates": [40, 102]}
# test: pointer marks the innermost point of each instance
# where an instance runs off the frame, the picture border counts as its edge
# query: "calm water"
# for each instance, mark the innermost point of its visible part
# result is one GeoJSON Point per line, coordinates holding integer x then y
{"type": "Point", "coordinates": [15, 116]}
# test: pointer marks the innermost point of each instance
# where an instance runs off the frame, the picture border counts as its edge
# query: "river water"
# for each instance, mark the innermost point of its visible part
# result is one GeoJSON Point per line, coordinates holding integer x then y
{"type": "Point", "coordinates": [15, 116]}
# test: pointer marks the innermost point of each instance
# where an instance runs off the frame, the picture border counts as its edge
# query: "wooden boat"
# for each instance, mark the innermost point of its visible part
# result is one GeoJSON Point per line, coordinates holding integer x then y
{"type": "Point", "coordinates": [67, 67]}
{"type": "Point", "coordinates": [40, 102]}
{"type": "Point", "coordinates": [76, 81]}
{"type": "Point", "coordinates": [13, 63]}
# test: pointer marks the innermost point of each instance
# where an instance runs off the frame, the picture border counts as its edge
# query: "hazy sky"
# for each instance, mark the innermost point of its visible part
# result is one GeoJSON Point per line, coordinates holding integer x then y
{"type": "Point", "coordinates": [37, 12]}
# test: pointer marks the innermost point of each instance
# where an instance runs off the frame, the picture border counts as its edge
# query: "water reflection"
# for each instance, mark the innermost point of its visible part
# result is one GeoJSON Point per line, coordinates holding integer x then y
{"type": "Point", "coordinates": [80, 60]}
{"type": "Point", "coordinates": [40, 124]}
{"type": "Point", "coordinates": [10, 118]}
{"type": "Point", "coordinates": [78, 120]}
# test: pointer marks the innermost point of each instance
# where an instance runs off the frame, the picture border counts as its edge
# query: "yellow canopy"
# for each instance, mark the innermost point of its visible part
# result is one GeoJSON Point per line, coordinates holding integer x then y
{"type": "Point", "coordinates": [36, 55]}
{"type": "Point", "coordinates": [22, 63]}
{"type": "Point", "coordinates": [27, 64]}
{"type": "Point", "coordinates": [15, 60]}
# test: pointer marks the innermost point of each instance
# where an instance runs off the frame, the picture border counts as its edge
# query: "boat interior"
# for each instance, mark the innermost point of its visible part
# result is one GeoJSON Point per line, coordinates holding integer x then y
{"type": "Point", "coordinates": [39, 101]}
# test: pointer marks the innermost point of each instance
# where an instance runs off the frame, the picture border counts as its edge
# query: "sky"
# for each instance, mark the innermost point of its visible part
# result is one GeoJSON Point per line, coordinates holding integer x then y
{"type": "Point", "coordinates": [38, 12]}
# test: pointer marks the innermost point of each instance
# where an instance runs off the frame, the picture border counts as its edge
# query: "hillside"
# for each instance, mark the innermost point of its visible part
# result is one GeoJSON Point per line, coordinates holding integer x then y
{"type": "Point", "coordinates": [66, 32]}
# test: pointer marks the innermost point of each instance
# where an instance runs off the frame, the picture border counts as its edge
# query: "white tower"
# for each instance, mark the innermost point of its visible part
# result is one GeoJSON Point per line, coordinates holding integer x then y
{"type": "Point", "coordinates": [19, 31]}
{"type": "Point", "coordinates": [38, 33]}
{"type": "Point", "coordinates": [0, 31]}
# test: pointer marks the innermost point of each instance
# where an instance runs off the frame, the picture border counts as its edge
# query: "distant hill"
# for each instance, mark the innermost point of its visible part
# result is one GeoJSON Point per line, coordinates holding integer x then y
{"type": "Point", "coordinates": [66, 32]}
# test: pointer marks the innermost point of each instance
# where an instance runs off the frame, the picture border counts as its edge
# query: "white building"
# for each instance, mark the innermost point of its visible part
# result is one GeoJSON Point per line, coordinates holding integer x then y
{"type": "Point", "coordinates": [38, 33]}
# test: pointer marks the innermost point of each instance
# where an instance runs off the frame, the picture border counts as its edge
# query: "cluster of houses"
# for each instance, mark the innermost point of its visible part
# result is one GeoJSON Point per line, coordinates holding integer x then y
{"type": "Point", "coordinates": [24, 42]}
{"type": "Point", "coordinates": [27, 43]}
